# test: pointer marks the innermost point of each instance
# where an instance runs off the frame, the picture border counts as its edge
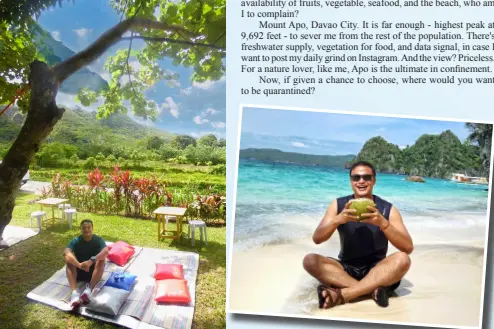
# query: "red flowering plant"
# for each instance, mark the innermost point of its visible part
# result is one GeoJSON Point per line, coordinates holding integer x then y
{"type": "Point", "coordinates": [66, 189]}
{"type": "Point", "coordinates": [151, 192]}
{"type": "Point", "coordinates": [208, 207]}
{"type": "Point", "coordinates": [55, 185]}
{"type": "Point", "coordinates": [95, 178]}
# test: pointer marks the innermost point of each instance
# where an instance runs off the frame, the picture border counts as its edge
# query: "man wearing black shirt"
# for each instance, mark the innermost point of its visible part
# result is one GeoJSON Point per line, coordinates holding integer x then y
{"type": "Point", "coordinates": [363, 266]}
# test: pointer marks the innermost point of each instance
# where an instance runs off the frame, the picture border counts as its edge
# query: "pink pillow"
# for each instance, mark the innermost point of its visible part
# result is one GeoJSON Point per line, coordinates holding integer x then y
{"type": "Point", "coordinates": [120, 253]}
{"type": "Point", "coordinates": [169, 271]}
{"type": "Point", "coordinates": [172, 291]}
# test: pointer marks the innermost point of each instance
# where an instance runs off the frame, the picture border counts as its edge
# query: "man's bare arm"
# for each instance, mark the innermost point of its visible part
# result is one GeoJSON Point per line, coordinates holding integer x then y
{"type": "Point", "coordinates": [70, 258]}
{"type": "Point", "coordinates": [102, 254]}
{"type": "Point", "coordinates": [331, 221]}
{"type": "Point", "coordinates": [397, 233]}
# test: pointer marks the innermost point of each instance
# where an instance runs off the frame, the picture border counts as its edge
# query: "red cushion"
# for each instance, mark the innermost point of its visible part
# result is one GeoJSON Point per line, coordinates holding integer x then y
{"type": "Point", "coordinates": [169, 271]}
{"type": "Point", "coordinates": [172, 291]}
{"type": "Point", "coordinates": [120, 253]}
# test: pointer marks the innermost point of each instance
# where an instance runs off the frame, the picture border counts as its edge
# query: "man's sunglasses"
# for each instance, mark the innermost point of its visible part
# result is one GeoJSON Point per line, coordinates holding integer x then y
{"type": "Point", "coordinates": [357, 178]}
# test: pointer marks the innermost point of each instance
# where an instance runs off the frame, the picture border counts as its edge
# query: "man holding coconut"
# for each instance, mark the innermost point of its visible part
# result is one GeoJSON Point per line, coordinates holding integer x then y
{"type": "Point", "coordinates": [365, 223]}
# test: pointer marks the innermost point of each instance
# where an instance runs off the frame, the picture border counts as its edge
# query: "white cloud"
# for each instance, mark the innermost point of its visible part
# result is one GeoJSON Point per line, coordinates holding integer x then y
{"type": "Point", "coordinates": [173, 83]}
{"type": "Point", "coordinates": [199, 134]}
{"type": "Point", "coordinates": [105, 75]}
{"type": "Point", "coordinates": [185, 92]}
{"type": "Point", "coordinates": [218, 125]}
{"type": "Point", "coordinates": [199, 120]}
{"type": "Point", "coordinates": [206, 85]}
{"type": "Point", "coordinates": [211, 111]}
{"type": "Point", "coordinates": [69, 101]}
{"type": "Point", "coordinates": [298, 144]}
{"type": "Point", "coordinates": [56, 35]}
{"type": "Point", "coordinates": [147, 123]}
{"type": "Point", "coordinates": [170, 105]}
{"type": "Point", "coordinates": [82, 33]}
{"type": "Point", "coordinates": [381, 129]}
{"type": "Point", "coordinates": [135, 65]}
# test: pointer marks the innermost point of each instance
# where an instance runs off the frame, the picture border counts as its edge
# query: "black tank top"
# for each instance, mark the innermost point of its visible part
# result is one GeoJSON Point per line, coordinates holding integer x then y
{"type": "Point", "coordinates": [363, 243]}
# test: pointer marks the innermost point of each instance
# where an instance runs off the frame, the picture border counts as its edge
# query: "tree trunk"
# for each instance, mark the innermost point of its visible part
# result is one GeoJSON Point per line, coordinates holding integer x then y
{"type": "Point", "coordinates": [42, 116]}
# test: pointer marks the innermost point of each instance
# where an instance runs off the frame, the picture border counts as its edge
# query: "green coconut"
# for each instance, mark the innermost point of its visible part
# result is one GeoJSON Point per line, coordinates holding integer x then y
{"type": "Point", "coordinates": [360, 205]}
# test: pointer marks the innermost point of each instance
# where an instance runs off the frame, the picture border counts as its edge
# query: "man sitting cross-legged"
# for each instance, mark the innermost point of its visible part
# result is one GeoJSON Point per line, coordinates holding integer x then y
{"type": "Point", "coordinates": [363, 266]}
{"type": "Point", "coordinates": [85, 257]}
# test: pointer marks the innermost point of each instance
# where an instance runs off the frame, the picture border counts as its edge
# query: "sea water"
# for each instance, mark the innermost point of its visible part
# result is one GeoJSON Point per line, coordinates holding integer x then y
{"type": "Point", "coordinates": [278, 203]}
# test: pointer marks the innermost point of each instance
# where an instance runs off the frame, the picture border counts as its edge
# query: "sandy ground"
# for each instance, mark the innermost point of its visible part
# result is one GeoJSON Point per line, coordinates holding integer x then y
{"type": "Point", "coordinates": [443, 286]}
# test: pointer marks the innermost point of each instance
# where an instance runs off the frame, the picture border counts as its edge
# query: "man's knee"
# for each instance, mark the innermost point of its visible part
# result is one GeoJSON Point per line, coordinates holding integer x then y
{"type": "Point", "coordinates": [403, 261]}
{"type": "Point", "coordinates": [100, 264]}
{"type": "Point", "coordinates": [70, 266]}
{"type": "Point", "coordinates": [310, 262]}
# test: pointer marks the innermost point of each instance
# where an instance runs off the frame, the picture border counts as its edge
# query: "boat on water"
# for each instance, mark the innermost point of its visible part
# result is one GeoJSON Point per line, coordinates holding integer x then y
{"type": "Point", "coordinates": [465, 179]}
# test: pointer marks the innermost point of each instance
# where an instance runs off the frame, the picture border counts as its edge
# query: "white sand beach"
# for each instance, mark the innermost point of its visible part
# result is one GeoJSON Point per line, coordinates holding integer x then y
{"type": "Point", "coordinates": [443, 286]}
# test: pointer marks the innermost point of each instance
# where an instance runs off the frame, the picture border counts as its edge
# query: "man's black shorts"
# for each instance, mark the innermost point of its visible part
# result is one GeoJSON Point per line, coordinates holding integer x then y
{"type": "Point", "coordinates": [85, 276]}
{"type": "Point", "coordinates": [359, 272]}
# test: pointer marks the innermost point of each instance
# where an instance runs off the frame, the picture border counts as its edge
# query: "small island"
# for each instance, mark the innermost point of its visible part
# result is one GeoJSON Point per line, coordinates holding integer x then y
{"type": "Point", "coordinates": [416, 179]}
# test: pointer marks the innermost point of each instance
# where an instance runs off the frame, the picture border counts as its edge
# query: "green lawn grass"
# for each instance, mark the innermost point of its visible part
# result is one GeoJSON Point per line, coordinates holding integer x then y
{"type": "Point", "coordinates": [27, 264]}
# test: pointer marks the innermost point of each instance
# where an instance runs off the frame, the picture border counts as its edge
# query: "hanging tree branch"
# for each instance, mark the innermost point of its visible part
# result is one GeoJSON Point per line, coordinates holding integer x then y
{"type": "Point", "coordinates": [128, 67]}
{"type": "Point", "coordinates": [128, 54]}
{"type": "Point", "coordinates": [66, 68]}
{"type": "Point", "coordinates": [191, 43]}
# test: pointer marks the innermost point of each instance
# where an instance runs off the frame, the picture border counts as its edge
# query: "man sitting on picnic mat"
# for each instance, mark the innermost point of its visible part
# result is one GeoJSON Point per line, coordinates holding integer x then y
{"type": "Point", "coordinates": [363, 266]}
{"type": "Point", "coordinates": [85, 257]}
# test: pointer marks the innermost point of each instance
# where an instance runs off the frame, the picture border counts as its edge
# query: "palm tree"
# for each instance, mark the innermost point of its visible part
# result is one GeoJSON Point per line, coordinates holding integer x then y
{"type": "Point", "coordinates": [481, 134]}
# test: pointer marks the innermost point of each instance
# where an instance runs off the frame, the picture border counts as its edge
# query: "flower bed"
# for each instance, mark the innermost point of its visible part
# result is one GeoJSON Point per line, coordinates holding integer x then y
{"type": "Point", "coordinates": [120, 193]}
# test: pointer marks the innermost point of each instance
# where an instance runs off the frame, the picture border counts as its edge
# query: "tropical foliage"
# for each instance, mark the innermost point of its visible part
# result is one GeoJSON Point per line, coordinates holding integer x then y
{"type": "Point", "coordinates": [431, 155]}
{"type": "Point", "coordinates": [80, 142]}
{"type": "Point", "coordinates": [481, 135]}
{"type": "Point", "coordinates": [121, 193]}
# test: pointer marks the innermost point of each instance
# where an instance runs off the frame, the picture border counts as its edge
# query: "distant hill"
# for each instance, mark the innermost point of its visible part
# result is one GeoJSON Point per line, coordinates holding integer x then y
{"type": "Point", "coordinates": [81, 128]}
{"type": "Point", "coordinates": [273, 155]}
{"type": "Point", "coordinates": [431, 156]}
{"type": "Point", "coordinates": [54, 52]}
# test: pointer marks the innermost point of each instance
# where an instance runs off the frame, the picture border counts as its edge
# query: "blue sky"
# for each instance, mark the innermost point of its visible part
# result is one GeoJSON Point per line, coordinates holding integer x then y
{"type": "Point", "coordinates": [194, 109]}
{"type": "Point", "coordinates": [331, 133]}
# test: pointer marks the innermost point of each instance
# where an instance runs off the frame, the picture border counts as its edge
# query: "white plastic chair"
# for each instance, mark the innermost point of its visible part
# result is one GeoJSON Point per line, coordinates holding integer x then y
{"type": "Point", "coordinates": [64, 206]}
{"type": "Point", "coordinates": [168, 218]}
{"type": "Point", "coordinates": [38, 215]}
{"type": "Point", "coordinates": [69, 213]}
{"type": "Point", "coordinates": [202, 227]}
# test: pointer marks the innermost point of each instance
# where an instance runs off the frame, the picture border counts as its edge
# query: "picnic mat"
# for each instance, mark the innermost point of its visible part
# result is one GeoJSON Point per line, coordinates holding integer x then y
{"type": "Point", "coordinates": [139, 311]}
{"type": "Point", "coordinates": [15, 234]}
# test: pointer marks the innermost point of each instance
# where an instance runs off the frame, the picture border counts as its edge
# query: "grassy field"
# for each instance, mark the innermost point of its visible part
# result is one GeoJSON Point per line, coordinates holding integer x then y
{"type": "Point", "coordinates": [27, 264]}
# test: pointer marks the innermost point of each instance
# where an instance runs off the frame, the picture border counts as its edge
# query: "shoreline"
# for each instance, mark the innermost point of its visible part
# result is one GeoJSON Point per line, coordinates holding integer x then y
{"type": "Point", "coordinates": [443, 286]}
